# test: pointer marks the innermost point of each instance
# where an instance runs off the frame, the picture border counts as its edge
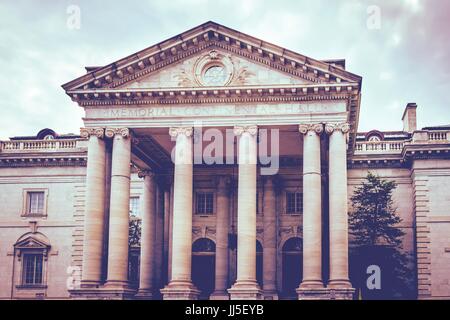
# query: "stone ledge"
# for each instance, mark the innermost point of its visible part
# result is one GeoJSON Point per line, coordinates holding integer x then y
{"type": "Point", "coordinates": [326, 294]}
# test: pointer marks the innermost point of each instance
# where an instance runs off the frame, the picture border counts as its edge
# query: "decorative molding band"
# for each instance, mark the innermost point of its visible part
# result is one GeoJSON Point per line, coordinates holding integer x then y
{"type": "Point", "coordinates": [239, 130]}
{"type": "Point", "coordinates": [332, 127]}
{"type": "Point", "coordinates": [87, 132]}
{"type": "Point", "coordinates": [175, 131]}
{"type": "Point", "coordinates": [111, 132]}
{"type": "Point", "coordinates": [315, 127]}
{"type": "Point", "coordinates": [44, 162]}
{"type": "Point", "coordinates": [207, 95]}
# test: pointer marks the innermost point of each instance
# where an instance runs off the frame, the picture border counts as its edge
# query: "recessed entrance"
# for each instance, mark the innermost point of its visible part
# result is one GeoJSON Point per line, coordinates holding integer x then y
{"type": "Point", "coordinates": [292, 267]}
{"type": "Point", "coordinates": [203, 266]}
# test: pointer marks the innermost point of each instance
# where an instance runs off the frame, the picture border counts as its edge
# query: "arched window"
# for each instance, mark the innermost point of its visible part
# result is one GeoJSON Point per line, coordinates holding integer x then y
{"type": "Point", "coordinates": [293, 245]}
{"type": "Point", "coordinates": [204, 245]}
{"type": "Point", "coordinates": [374, 136]}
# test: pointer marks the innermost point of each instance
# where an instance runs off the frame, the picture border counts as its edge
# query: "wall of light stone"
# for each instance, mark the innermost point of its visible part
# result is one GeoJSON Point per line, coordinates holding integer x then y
{"type": "Point", "coordinates": [58, 226]}
{"type": "Point", "coordinates": [431, 180]}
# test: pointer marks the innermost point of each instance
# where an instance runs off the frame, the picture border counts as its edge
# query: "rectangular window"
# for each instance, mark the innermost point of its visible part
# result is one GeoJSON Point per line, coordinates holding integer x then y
{"type": "Point", "coordinates": [32, 269]}
{"type": "Point", "coordinates": [35, 202]}
{"type": "Point", "coordinates": [205, 203]}
{"type": "Point", "coordinates": [294, 202]}
{"type": "Point", "coordinates": [134, 207]}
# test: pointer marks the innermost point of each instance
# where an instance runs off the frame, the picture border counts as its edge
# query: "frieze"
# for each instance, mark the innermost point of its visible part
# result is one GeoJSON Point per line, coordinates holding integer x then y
{"type": "Point", "coordinates": [216, 110]}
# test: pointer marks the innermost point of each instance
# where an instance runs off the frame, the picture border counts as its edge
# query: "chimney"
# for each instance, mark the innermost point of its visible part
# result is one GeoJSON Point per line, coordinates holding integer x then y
{"type": "Point", "coordinates": [409, 118]}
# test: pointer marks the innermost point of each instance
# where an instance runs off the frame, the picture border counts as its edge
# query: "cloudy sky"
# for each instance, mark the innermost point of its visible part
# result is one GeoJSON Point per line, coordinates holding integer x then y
{"type": "Point", "coordinates": [404, 57]}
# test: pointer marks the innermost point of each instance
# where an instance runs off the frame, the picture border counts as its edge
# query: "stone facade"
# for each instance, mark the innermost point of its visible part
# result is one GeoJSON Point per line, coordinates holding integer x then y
{"type": "Point", "coordinates": [222, 221]}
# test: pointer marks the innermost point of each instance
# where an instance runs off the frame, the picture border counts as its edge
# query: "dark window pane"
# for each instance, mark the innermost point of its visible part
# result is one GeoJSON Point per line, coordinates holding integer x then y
{"type": "Point", "coordinates": [32, 268]}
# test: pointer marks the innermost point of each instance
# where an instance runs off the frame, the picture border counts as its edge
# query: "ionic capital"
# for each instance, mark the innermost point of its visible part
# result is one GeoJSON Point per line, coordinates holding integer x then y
{"type": "Point", "coordinates": [306, 127]}
{"type": "Point", "coordinates": [175, 131]}
{"type": "Point", "coordinates": [87, 132]}
{"type": "Point", "coordinates": [111, 132]}
{"type": "Point", "coordinates": [344, 127]}
{"type": "Point", "coordinates": [145, 173]}
{"type": "Point", "coordinates": [239, 130]}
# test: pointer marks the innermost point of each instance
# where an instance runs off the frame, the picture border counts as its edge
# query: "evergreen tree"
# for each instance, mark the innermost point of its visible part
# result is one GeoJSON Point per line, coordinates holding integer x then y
{"type": "Point", "coordinates": [376, 239]}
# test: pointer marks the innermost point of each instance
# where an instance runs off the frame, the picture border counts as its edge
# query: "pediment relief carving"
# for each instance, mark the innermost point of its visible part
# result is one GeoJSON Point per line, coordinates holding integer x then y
{"type": "Point", "coordinates": [213, 68]}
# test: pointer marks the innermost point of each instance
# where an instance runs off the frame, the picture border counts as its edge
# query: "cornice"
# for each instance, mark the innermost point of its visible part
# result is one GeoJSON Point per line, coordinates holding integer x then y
{"type": "Point", "coordinates": [196, 95]}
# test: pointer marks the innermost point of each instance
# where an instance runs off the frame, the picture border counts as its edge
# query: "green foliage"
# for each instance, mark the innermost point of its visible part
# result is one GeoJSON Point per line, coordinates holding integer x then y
{"type": "Point", "coordinates": [373, 220]}
{"type": "Point", "coordinates": [134, 234]}
{"type": "Point", "coordinates": [377, 239]}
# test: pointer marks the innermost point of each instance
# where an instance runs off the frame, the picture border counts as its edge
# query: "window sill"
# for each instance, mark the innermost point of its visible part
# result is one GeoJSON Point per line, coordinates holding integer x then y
{"type": "Point", "coordinates": [31, 286]}
{"type": "Point", "coordinates": [34, 215]}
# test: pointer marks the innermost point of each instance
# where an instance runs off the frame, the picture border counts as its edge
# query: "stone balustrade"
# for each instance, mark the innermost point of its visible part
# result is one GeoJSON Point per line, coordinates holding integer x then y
{"type": "Point", "coordinates": [41, 145]}
{"type": "Point", "coordinates": [419, 137]}
{"type": "Point", "coordinates": [379, 147]}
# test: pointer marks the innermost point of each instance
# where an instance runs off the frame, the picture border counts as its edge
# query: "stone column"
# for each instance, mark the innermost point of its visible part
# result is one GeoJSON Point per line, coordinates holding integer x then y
{"type": "Point", "coordinates": [222, 223]}
{"type": "Point", "coordinates": [180, 285]}
{"type": "Point", "coordinates": [270, 241]}
{"type": "Point", "coordinates": [167, 237]}
{"type": "Point", "coordinates": [246, 286]}
{"type": "Point", "coordinates": [312, 212]}
{"type": "Point", "coordinates": [94, 216]}
{"type": "Point", "coordinates": [119, 212]}
{"type": "Point", "coordinates": [338, 211]}
{"type": "Point", "coordinates": [148, 229]}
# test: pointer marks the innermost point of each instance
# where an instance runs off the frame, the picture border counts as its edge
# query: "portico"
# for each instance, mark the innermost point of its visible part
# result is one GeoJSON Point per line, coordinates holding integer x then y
{"type": "Point", "coordinates": [149, 116]}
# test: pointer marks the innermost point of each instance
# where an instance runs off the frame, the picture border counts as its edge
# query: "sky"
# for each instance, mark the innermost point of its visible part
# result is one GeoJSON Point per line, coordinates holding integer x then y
{"type": "Point", "coordinates": [401, 48]}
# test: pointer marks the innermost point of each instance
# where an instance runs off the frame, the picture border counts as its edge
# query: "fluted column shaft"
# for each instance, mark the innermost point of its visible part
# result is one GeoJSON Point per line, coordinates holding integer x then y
{"type": "Point", "coordinates": [180, 285]}
{"type": "Point", "coordinates": [338, 205]}
{"type": "Point", "coordinates": [148, 229]}
{"type": "Point", "coordinates": [221, 279]}
{"type": "Point", "coordinates": [270, 240]}
{"type": "Point", "coordinates": [119, 207]}
{"type": "Point", "coordinates": [94, 217]}
{"type": "Point", "coordinates": [246, 286]}
{"type": "Point", "coordinates": [312, 207]}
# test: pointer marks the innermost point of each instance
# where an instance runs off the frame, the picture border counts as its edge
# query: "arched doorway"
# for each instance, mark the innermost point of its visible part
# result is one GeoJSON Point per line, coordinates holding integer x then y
{"type": "Point", "coordinates": [259, 263]}
{"type": "Point", "coordinates": [203, 266]}
{"type": "Point", "coordinates": [292, 266]}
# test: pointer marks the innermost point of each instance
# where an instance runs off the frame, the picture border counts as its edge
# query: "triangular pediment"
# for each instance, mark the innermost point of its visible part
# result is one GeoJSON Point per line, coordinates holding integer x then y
{"type": "Point", "coordinates": [173, 62]}
{"type": "Point", "coordinates": [32, 241]}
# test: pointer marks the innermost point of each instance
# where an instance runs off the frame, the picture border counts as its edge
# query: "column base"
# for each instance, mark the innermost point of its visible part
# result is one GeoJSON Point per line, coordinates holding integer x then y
{"type": "Point", "coordinates": [90, 284]}
{"type": "Point", "coordinates": [339, 283]}
{"type": "Point", "coordinates": [102, 294]}
{"type": "Point", "coordinates": [144, 294]}
{"type": "Point", "coordinates": [311, 284]}
{"type": "Point", "coordinates": [117, 285]}
{"type": "Point", "coordinates": [325, 293]}
{"type": "Point", "coordinates": [270, 295]}
{"type": "Point", "coordinates": [245, 290]}
{"type": "Point", "coordinates": [219, 295]}
{"type": "Point", "coordinates": [317, 293]}
{"type": "Point", "coordinates": [340, 289]}
{"type": "Point", "coordinates": [180, 290]}
{"type": "Point", "coordinates": [342, 293]}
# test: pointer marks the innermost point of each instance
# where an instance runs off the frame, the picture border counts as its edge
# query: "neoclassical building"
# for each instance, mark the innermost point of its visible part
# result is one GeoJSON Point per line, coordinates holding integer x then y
{"type": "Point", "coordinates": [214, 165]}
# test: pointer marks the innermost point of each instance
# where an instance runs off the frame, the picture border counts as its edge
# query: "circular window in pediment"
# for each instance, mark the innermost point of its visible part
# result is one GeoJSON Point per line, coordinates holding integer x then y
{"type": "Point", "coordinates": [215, 75]}
{"type": "Point", "coordinates": [213, 69]}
